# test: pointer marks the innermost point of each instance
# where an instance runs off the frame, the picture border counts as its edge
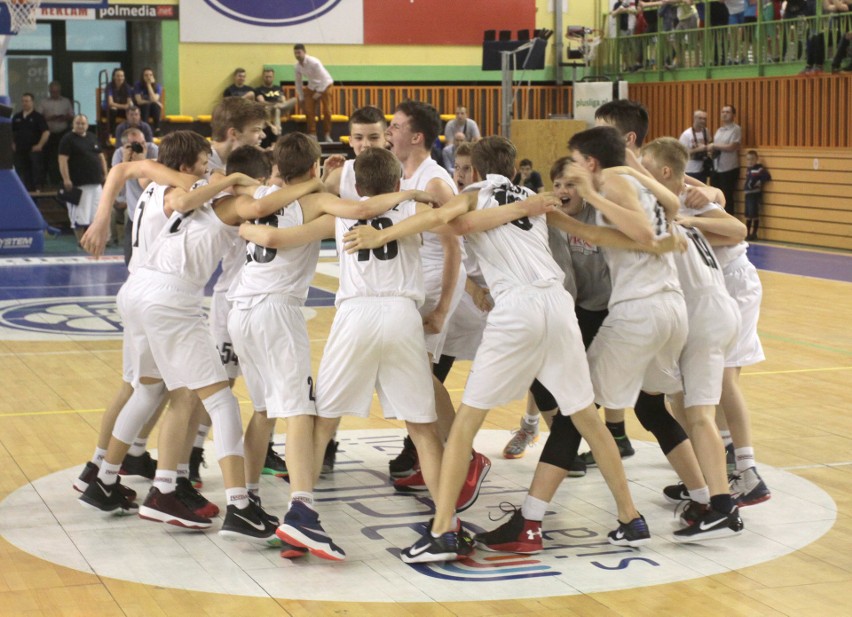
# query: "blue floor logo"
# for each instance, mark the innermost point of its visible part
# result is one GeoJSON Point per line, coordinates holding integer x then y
{"type": "Point", "coordinates": [96, 316]}
{"type": "Point", "coordinates": [273, 12]}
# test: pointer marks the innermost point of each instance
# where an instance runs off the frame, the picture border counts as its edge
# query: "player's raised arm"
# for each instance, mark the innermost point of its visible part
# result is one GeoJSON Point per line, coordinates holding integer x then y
{"type": "Point", "coordinates": [609, 237]}
{"type": "Point", "coordinates": [489, 218]}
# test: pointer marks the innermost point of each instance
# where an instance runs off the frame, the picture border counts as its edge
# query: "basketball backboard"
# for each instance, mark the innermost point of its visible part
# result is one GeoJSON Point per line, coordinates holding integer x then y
{"type": "Point", "coordinates": [66, 9]}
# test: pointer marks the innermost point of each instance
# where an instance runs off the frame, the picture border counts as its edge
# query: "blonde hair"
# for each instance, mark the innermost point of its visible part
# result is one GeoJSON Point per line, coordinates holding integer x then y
{"type": "Point", "coordinates": [669, 152]}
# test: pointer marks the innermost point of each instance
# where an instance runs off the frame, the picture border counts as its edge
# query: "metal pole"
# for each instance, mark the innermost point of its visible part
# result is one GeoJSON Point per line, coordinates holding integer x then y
{"type": "Point", "coordinates": [557, 43]}
{"type": "Point", "coordinates": [506, 94]}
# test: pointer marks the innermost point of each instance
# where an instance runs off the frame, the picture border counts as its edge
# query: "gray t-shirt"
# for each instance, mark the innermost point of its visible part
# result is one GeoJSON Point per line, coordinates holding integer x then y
{"type": "Point", "coordinates": [56, 107]}
{"type": "Point", "coordinates": [724, 136]}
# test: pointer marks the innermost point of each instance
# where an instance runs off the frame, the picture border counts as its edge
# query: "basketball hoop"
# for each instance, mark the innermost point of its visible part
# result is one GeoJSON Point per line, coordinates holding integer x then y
{"type": "Point", "coordinates": [22, 14]}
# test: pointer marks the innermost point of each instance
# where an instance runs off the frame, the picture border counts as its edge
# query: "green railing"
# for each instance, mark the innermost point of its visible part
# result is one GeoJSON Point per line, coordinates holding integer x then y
{"type": "Point", "coordinates": [755, 49]}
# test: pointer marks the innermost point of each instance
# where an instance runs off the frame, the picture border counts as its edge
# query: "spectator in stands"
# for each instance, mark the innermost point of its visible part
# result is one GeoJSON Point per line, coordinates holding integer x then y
{"type": "Point", "coordinates": [528, 177]}
{"type": "Point", "coordinates": [318, 89]}
{"type": "Point", "coordinates": [842, 51]}
{"type": "Point", "coordinates": [270, 94]}
{"type": "Point", "coordinates": [133, 147]}
{"type": "Point", "coordinates": [697, 142]}
{"type": "Point", "coordinates": [461, 124]}
{"type": "Point", "coordinates": [756, 177]}
{"type": "Point", "coordinates": [725, 149]}
{"type": "Point", "coordinates": [58, 111]}
{"type": "Point", "coordinates": [83, 166]}
{"type": "Point", "coordinates": [148, 95]}
{"type": "Point", "coordinates": [134, 119]}
{"type": "Point", "coordinates": [448, 154]}
{"type": "Point", "coordinates": [815, 45]}
{"type": "Point", "coordinates": [239, 87]}
{"type": "Point", "coordinates": [29, 136]}
{"type": "Point", "coordinates": [119, 96]}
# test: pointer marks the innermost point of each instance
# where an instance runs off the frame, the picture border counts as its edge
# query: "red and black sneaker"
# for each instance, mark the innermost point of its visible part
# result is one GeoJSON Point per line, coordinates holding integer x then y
{"type": "Point", "coordinates": [476, 472]}
{"type": "Point", "coordinates": [405, 462]}
{"type": "Point", "coordinates": [168, 508]}
{"type": "Point", "coordinates": [194, 500]}
{"type": "Point", "coordinates": [142, 465]}
{"type": "Point", "coordinates": [88, 475]}
{"type": "Point", "coordinates": [517, 535]}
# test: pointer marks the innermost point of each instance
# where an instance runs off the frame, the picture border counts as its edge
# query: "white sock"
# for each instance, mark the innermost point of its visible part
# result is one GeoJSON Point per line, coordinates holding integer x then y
{"type": "Point", "coordinates": [533, 509]}
{"type": "Point", "coordinates": [531, 419]}
{"type": "Point", "coordinates": [726, 438]}
{"type": "Point", "coordinates": [98, 456]}
{"type": "Point", "coordinates": [140, 444]}
{"type": "Point", "coordinates": [700, 495]}
{"type": "Point", "coordinates": [744, 457]}
{"type": "Point", "coordinates": [183, 470]}
{"type": "Point", "coordinates": [108, 473]}
{"type": "Point", "coordinates": [237, 497]}
{"type": "Point", "coordinates": [201, 435]}
{"type": "Point", "coordinates": [303, 496]}
{"type": "Point", "coordinates": [252, 488]}
{"type": "Point", "coordinates": [166, 480]}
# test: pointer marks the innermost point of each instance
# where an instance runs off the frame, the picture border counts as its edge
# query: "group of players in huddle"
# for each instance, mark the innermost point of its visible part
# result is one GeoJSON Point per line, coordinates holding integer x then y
{"type": "Point", "coordinates": [627, 286]}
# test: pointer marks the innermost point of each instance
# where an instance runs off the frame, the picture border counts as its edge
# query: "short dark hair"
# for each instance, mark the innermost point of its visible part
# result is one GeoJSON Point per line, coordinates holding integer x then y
{"type": "Point", "coordinates": [367, 115]}
{"type": "Point", "coordinates": [464, 149]}
{"type": "Point", "coordinates": [181, 148]}
{"type": "Point", "coordinates": [733, 109]}
{"type": "Point", "coordinates": [604, 143]}
{"type": "Point", "coordinates": [235, 112]}
{"type": "Point", "coordinates": [249, 160]}
{"type": "Point", "coordinates": [298, 46]}
{"type": "Point", "coordinates": [525, 163]}
{"type": "Point", "coordinates": [754, 152]}
{"type": "Point", "coordinates": [626, 116]}
{"type": "Point", "coordinates": [558, 167]}
{"type": "Point", "coordinates": [29, 94]}
{"type": "Point", "coordinates": [295, 154]}
{"type": "Point", "coordinates": [494, 155]}
{"type": "Point", "coordinates": [239, 70]}
{"type": "Point", "coordinates": [377, 171]}
{"type": "Point", "coordinates": [423, 118]}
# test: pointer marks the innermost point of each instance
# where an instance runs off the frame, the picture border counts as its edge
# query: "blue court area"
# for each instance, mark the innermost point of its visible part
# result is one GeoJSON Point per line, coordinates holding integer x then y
{"type": "Point", "coordinates": [817, 264]}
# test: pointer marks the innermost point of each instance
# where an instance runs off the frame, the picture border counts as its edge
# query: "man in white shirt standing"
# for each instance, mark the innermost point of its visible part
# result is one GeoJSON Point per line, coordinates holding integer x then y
{"type": "Point", "coordinates": [318, 89]}
{"type": "Point", "coordinates": [725, 148]}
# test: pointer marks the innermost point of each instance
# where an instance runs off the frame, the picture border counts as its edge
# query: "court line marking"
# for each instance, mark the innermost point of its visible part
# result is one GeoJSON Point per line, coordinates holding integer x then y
{"type": "Point", "coordinates": [792, 341]}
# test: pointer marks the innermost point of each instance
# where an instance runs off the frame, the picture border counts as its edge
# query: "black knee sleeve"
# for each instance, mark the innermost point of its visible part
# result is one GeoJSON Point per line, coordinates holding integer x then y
{"type": "Point", "coordinates": [543, 398]}
{"type": "Point", "coordinates": [563, 443]}
{"type": "Point", "coordinates": [654, 417]}
{"type": "Point", "coordinates": [441, 368]}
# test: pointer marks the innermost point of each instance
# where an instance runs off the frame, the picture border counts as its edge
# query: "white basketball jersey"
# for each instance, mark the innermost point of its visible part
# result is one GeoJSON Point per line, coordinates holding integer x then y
{"type": "Point", "coordinates": [515, 254]}
{"type": "Point", "coordinates": [286, 271]}
{"type": "Point", "coordinates": [149, 218]}
{"type": "Point", "coordinates": [725, 254]}
{"type": "Point", "coordinates": [391, 270]}
{"type": "Point", "coordinates": [191, 245]}
{"type": "Point", "coordinates": [636, 274]}
{"type": "Point", "coordinates": [431, 252]}
{"type": "Point", "coordinates": [697, 268]}
{"type": "Point", "coordinates": [347, 181]}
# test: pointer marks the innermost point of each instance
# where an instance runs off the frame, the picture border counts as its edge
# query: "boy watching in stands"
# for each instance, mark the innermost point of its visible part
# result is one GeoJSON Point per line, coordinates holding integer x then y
{"type": "Point", "coordinates": [756, 176]}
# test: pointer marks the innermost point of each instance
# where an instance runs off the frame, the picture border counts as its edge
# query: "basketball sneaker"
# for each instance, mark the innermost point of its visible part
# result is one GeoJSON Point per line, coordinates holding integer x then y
{"type": "Point", "coordinates": [692, 511]}
{"type": "Point", "coordinates": [405, 462]}
{"type": "Point", "coordinates": [301, 527]}
{"type": "Point", "coordinates": [194, 500]}
{"type": "Point", "coordinates": [274, 465]}
{"type": "Point", "coordinates": [411, 484]}
{"type": "Point", "coordinates": [449, 546]}
{"type": "Point", "coordinates": [88, 475]}
{"type": "Point", "coordinates": [479, 467]}
{"type": "Point", "coordinates": [522, 438]}
{"type": "Point", "coordinates": [517, 535]}
{"type": "Point", "coordinates": [676, 493]}
{"type": "Point", "coordinates": [256, 499]}
{"type": "Point", "coordinates": [142, 465]}
{"type": "Point", "coordinates": [108, 498]}
{"type": "Point", "coordinates": [577, 469]}
{"type": "Point", "coordinates": [625, 449]}
{"type": "Point", "coordinates": [748, 488]}
{"type": "Point", "coordinates": [251, 524]}
{"type": "Point", "coordinates": [196, 461]}
{"type": "Point", "coordinates": [329, 457]}
{"type": "Point", "coordinates": [635, 533]}
{"type": "Point", "coordinates": [712, 525]}
{"type": "Point", "coordinates": [169, 508]}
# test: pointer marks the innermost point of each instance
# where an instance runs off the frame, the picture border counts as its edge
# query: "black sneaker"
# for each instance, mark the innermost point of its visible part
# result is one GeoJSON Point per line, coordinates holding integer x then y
{"type": "Point", "coordinates": [108, 498]}
{"type": "Point", "coordinates": [693, 511]}
{"type": "Point", "coordinates": [329, 457]}
{"type": "Point", "coordinates": [142, 465]}
{"type": "Point", "coordinates": [676, 493]}
{"type": "Point", "coordinates": [274, 465]}
{"type": "Point", "coordinates": [168, 508]}
{"type": "Point", "coordinates": [251, 524]}
{"type": "Point", "coordinates": [196, 461]}
{"type": "Point", "coordinates": [711, 526]}
{"type": "Point", "coordinates": [254, 497]}
{"type": "Point", "coordinates": [405, 462]}
{"type": "Point", "coordinates": [302, 527]}
{"type": "Point", "coordinates": [86, 477]}
{"type": "Point", "coordinates": [194, 500]}
{"type": "Point", "coordinates": [625, 449]}
{"type": "Point", "coordinates": [517, 535]}
{"type": "Point", "coordinates": [449, 546]}
{"type": "Point", "coordinates": [635, 533]}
